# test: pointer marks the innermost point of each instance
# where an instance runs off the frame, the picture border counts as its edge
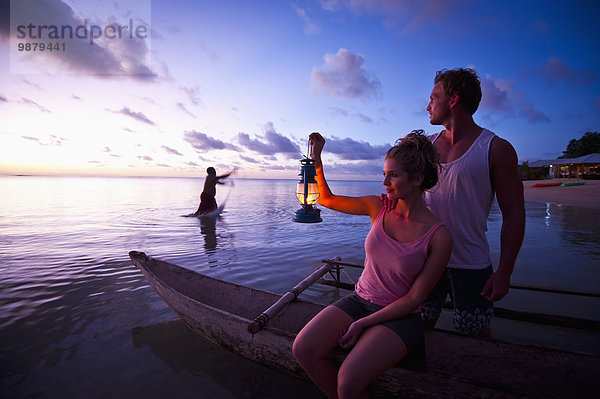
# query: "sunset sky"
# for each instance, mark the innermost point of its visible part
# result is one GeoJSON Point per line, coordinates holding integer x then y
{"type": "Point", "coordinates": [241, 84]}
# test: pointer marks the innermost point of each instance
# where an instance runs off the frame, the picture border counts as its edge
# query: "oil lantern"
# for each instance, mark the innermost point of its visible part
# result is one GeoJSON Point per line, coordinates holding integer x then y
{"type": "Point", "coordinates": [307, 193]}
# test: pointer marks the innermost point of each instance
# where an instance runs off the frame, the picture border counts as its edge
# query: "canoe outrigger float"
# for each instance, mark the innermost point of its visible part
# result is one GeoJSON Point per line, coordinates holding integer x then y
{"type": "Point", "coordinates": [261, 326]}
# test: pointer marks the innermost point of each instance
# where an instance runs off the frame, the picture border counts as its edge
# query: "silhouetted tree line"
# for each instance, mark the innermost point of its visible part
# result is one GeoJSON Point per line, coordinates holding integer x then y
{"type": "Point", "coordinates": [589, 143]}
{"type": "Point", "coordinates": [528, 173]}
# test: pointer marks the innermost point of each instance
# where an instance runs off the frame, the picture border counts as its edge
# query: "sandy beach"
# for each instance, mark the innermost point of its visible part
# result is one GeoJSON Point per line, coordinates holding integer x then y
{"type": "Point", "coordinates": [586, 196]}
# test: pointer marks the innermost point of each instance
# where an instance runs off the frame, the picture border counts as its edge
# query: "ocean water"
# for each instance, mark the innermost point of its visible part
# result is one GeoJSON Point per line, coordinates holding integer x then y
{"type": "Point", "coordinates": [77, 319]}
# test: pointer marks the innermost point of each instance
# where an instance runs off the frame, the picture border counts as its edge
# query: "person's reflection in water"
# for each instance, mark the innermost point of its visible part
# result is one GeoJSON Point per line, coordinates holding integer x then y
{"type": "Point", "coordinates": [209, 231]}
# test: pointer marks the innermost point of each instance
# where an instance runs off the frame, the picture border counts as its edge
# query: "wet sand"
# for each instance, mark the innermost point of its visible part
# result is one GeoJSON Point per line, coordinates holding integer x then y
{"type": "Point", "coordinates": [586, 196]}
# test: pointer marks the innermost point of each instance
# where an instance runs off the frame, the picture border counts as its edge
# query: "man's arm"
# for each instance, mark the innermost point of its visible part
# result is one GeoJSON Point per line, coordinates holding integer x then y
{"type": "Point", "coordinates": [225, 176]}
{"type": "Point", "coordinates": [509, 193]}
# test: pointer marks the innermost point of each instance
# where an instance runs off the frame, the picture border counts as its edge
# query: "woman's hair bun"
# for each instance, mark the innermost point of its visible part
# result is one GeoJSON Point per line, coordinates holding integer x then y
{"type": "Point", "coordinates": [417, 156]}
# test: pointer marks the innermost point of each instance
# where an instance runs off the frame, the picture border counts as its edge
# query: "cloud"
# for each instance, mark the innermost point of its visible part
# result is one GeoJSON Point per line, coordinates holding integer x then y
{"type": "Point", "coordinates": [3, 99]}
{"type": "Point", "coordinates": [555, 70]}
{"type": "Point", "coordinates": [361, 168]}
{"type": "Point", "coordinates": [163, 165]}
{"type": "Point", "coordinates": [52, 140]}
{"type": "Point", "coordinates": [364, 118]}
{"type": "Point", "coordinates": [33, 103]}
{"type": "Point", "coordinates": [4, 20]}
{"type": "Point", "coordinates": [182, 107]}
{"type": "Point", "coordinates": [56, 141]}
{"type": "Point", "coordinates": [272, 143]}
{"type": "Point", "coordinates": [135, 115]}
{"type": "Point", "coordinates": [403, 16]}
{"type": "Point", "coordinates": [30, 138]}
{"type": "Point", "coordinates": [342, 75]}
{"type": "Point", "coordinates": [349, 149]}
{"type": "Point", "coordinates": [189, 163]}
{"type": "Point", "coordinates": [310, 27]}
{"type": "Point", "coordinates": [32, 84]}
{"type": "Point", "coordinates": [495, 95]}
{"type": "Point", "coordinates": [499, 96]}
{"type": "Point", "coordinates": [527, 110]}
{"type": "Point", "coordinates": [106, 57]}
{"type": "Point", "coordinates": [202, 142]}
{"type": "Point", "coordinates": [145, 158]}
{"type": "Point", "coordinates": [171, 150]}
{"type": "Point", "coordinates": [248, 159]}
{"type": "Point", "coordinates": [337, 111]}
{"type": "Point", "coordinates": [193, 94]}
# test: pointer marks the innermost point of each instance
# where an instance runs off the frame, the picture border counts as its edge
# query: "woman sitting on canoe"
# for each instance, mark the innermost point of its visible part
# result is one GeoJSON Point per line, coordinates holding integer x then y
{"type": "Point", "coordinates": [406, 250]}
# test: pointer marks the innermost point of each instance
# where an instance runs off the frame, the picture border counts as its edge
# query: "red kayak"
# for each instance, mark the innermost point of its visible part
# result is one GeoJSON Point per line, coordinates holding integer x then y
{"type": "Point", "coordinates": [558, 183]}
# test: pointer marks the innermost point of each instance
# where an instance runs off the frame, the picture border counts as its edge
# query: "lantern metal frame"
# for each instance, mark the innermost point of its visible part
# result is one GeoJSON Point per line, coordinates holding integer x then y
{"type": "Point", "coordinates": [307, 213]}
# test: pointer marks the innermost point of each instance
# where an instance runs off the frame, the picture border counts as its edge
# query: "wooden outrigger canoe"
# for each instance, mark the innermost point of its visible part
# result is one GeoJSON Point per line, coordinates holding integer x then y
{"type": "Point", "coordinates": [455, 367]}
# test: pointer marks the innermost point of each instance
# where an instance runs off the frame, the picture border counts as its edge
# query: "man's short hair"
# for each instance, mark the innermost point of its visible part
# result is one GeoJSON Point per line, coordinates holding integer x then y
{"type": "Point", "coordinates": [211, 171]}
{"type": "Point", "coordinates": [463, 82]}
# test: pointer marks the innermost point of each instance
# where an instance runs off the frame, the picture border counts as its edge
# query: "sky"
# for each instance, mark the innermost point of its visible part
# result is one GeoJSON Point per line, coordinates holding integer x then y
{"type": "Point", "coordinates": [241, 84]}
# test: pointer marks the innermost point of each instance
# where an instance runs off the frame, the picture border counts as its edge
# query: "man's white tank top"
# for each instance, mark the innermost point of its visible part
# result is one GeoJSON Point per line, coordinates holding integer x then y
{"type": "Point", "coordinates": [462, 200]}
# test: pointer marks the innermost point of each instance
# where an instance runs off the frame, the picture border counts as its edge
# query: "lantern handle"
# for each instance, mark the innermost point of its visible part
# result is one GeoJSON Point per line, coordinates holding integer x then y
{"type": "Point", "coordinates": [307, 149]}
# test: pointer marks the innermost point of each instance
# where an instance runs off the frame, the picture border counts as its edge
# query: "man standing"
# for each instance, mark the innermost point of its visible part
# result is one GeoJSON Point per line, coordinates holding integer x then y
{"type": "Point", "coordinates": [476, 164]}
{"type": "Point", "coordinates": [207, 198]}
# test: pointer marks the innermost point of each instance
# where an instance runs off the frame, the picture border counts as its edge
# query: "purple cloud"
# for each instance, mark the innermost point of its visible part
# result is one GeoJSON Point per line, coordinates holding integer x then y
{"type": "Point", "coordinates": [342, 75]}
{"type": "Point", "coordinates": [337, 111]}
{"type": "Point", "coordinates": [106, 57]}
{"type": "Point", "coordinates": [30, 138]}
{"type": "Point", "coordinates": [527, 110]}
{"type": "Point", "coordinates": [361, 168]}
{"type": "Point", "coordinates": [272, 143]}
{"type": "Point", "coordinates": [171, 150]}
{"type": "Point", "coordinates": [33, 103]}
{"type": "Point", "coordinates": [193, 94]}
{"type": "Point", "coordinates": [53, 140]}
{"type": "Point", "coordinates": [402, 15]}
{"type": "Point", "coordinates": [499, 96]}
{"type": "Point", "coordinates": [495, 95]}
{"type": "Point", "coordinates": [555, 70]}
{"type": "Point", "coordinates": [202, 142]}
{"type": "Point", "coordinates": [351, 150]}
{"type": "Point", "coordinates": [182, 107]}
{"type": "Point", "coordinates": [310, 27]}
{"type": "Point", "coordinates": [248, 159]}
{"type": "Point", "coordinates": [135, 115]}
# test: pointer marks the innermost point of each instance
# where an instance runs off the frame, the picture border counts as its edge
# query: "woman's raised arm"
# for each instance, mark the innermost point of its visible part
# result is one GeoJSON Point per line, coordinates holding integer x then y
{"type": "Point", "coordinates": [366, 205]}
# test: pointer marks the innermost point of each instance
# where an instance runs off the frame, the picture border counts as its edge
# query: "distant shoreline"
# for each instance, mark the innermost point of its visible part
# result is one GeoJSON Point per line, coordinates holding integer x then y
{"type": "Point", "coordinates": [585, 196]}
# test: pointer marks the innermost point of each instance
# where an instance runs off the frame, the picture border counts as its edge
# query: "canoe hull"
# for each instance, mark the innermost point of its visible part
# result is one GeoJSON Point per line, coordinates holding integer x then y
{"type": "Point", "coordinates": [457, 367]}
{"type": "Point", "coordinates": [270, 347]}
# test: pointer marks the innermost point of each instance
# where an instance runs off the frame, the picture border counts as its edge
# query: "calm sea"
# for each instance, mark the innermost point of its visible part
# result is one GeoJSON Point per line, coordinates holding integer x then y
{"type": "Point", "coordinates": [78, 320]}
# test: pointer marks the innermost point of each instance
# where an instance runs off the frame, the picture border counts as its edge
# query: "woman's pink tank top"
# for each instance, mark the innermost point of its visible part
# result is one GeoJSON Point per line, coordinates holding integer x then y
{"type": "Point", "coordinates": [391, 267]}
